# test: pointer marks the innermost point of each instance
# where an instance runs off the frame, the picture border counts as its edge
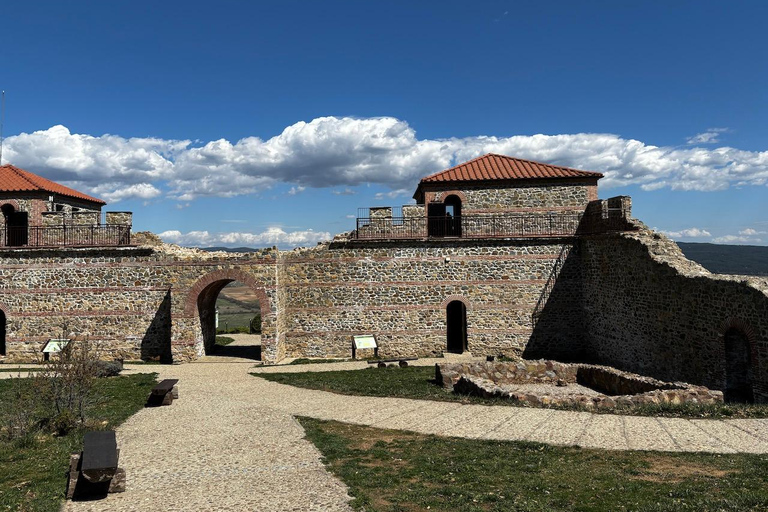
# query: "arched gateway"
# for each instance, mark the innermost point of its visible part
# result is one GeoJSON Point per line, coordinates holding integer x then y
{"type": "Point", "coordinates": [200, 309]}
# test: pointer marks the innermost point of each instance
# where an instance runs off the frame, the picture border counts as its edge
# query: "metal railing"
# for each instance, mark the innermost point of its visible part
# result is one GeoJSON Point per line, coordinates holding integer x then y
{"type": "Point", "coordinates": [469, 226]}
{"type": "Point", "coordinates": [104, 235]}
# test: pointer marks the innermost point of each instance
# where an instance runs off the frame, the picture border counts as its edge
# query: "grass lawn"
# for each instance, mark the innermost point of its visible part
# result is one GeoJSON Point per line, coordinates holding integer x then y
{"type": "Point", "coordinates": [388, 470]}
{"type": "Point", "coordinates": [223, 341]}
{"type": "Point", "coordinates": [419, 382]}
{"type": "Point", "coordinates": [32, 471]}
{"type": "Point", "coordinates": [20, 370]}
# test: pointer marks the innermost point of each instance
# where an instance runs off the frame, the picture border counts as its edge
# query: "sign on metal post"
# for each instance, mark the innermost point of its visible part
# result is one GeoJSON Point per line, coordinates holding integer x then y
{"type": "Point", "coordinates": [364, 341]}
{"type": "Point", "coordinates": [54, 346]}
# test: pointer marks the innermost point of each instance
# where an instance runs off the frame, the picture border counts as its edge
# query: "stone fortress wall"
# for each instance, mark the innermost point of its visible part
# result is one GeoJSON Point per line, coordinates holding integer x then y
{"type": "Point", "coordinates": [399, 292]}
{"type": "Point", "coordinates": [629, 300]}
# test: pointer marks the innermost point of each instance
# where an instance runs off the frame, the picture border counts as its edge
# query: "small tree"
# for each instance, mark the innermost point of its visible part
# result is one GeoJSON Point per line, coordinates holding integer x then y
{"type": "Point", "coordinates": [65, 385]}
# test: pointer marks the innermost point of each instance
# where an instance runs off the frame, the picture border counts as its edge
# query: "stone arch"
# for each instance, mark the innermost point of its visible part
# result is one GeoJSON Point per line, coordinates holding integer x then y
{"type": "Point", "coordinates": [460, 298]}
{"type": "Point", "coordinates": [201, 299]}
{"type": "Point", "coordinates": [9, 202]}
{"type": "Point", "coordinates": [739, 356]}
{"type": "Point", "coordinates": [744, 328]}
{"type": "Point", "coordinates": [456, 308]}
{"type": "Point", "coordinates": [190, 303]}
{"type": "Point", "coordinates": [440, 196]}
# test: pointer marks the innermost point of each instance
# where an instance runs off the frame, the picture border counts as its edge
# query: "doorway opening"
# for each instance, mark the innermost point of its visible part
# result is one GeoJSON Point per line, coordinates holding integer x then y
{"type": "Point", "coordinates": [2, 333]}
{"type": "Point", "coordinates": [456, 322]}
{"type": "Point", "coordinates": [230, 318]}
{"type": "Point", "coordinates": [16, 226]}
{"type": "Point", "coordinates": [738, 368]}
{"type": "Point", "coordinates": [452, 216]}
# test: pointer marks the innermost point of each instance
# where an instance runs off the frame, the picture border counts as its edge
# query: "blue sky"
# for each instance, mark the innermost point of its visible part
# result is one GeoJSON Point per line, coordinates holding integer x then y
{"type": "Point", "coordinates": [261, 123]}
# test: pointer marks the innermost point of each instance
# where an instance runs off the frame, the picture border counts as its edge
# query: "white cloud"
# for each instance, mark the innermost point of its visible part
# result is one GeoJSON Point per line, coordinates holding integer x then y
{"type": "Point", "coordinates": [272, 236]}
{"type": "Point", "coordinates": [752, 232]}
{"type": "Point", "coordinates": [345, 152]}
{"type": "Point", "coordinates": [734, 239]}
{"type": "Point", "coordinates": [113, 193]}
{"type": "Point", "coordinates": [345, 192]}
{"type": "Point", "coordinates": [687, 233]}
{"type": "Point", "coordinates": [711, 136]}
{"type": "Point", "coordinates": [296, 190]}
{"type": "Point", "coordinates": [394, 194]}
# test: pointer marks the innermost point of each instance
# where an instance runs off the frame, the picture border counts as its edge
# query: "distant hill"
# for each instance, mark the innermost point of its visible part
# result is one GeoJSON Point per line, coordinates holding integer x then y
{"type": "Point", "coordinates": [748, 260]}
{"type": "Point", "coordinates": [229, 249]}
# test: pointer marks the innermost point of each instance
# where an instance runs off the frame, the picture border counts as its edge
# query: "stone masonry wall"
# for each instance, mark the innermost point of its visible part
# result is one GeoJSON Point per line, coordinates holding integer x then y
{"type": "Point", "coordinates": [399, 292]}
{"type": "Point", "coordinates": [534, 196]}
{"type": "Point", "coordinates": [651, 311]}
{"type": "Point", "coordinates": [133, 302]}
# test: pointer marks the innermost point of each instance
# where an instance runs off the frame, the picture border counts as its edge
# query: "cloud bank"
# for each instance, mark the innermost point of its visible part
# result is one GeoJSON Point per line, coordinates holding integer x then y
{"type": "Point", "coordinates": [345, 152]}
{"type": "Point", "coordinates": [272, 236]}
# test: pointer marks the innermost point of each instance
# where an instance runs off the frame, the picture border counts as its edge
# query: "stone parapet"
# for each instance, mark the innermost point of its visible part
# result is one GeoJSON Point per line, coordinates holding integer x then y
{"type": "Point", "coordinates": [119, 218]}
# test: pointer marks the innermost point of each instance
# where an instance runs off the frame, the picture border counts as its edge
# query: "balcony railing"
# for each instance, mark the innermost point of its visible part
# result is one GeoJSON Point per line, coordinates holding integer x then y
{"type": "Point", "coordinates": [469, 226]}
{"type": "Point", "coordinates": [105, 235]}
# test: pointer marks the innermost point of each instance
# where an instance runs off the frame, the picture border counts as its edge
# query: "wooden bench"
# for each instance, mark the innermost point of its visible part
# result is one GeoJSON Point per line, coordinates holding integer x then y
{"type": "Point", "coordinates": [94, 471]}
{"type": "Point", "coordinates": [402, 361]}
{"type": "Point", "coordinates": [163, 393]}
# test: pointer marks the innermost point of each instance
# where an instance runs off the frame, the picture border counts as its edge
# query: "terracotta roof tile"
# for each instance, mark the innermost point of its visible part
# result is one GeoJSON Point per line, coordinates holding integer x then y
{"type": "Point", "coordinates": [13, 179]}
{"type": "Point", "coordinates": [500, 167]}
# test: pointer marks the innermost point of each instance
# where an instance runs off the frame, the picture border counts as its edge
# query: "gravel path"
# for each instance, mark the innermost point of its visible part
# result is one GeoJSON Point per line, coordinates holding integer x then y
{"type": "Point", "coordinates": [231, 442]}
{"type": "Point", "coordinates": [223, 445]}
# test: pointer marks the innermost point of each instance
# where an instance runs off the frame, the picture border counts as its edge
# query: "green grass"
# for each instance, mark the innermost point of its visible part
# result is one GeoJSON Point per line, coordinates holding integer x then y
{"type": "Point", "coordinates": [223, 341]}
{"type": "Point", "coordinates": [418, 382]}
{"type": "Point", "coordinates": [32, 470]}
{"type": "Point", "coordinates": [20, 370]}
{"type": "Point", "coordinates": [400, 471]}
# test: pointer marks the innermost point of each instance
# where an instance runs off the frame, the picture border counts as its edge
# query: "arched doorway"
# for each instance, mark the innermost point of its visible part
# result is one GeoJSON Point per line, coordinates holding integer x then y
{"type": "Point", "coordinates": [229, 311]}
{"type": "Point", "coordinates": [456, 323]}
{"type": "Point", "coordinates": [2, 333]}
{"type": "Point", "coordinates": [452, 216]}
{"type": "Point", "coordinates": [16, 226]}
{"type": "Point", "coordinates": [738, 367]}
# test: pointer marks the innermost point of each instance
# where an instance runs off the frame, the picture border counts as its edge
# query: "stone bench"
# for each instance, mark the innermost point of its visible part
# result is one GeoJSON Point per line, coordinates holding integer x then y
{"type": "Point", "coordinates": [94, 472]}
{"type": "Point", "coordinates": [163, 393]}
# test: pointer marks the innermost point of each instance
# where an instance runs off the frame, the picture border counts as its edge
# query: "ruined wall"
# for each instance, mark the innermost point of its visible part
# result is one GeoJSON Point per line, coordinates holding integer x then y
{"type": "Point", "coordinates": [651, 311]}
{"type": "Point", "coordinates": [134, 302]}
{"type": "Point", "coordinates": [399, 292]}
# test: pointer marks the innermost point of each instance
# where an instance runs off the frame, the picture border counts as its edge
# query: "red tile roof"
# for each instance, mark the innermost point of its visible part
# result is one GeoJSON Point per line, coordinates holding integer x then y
{"type": "Point", "coordinates": [13, 179]}
{"type": "Point", "coordinates": [500, 167]}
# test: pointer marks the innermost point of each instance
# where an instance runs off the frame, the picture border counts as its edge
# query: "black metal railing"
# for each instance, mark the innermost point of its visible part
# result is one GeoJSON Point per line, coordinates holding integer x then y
{"type": "Point", "coordinates": [469, 226]}
{"type": "Point", "coordinates": [66, 236]}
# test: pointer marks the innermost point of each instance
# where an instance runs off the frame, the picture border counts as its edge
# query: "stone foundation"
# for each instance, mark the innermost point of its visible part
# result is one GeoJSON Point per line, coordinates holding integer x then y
{"type": "Point", "coordinates": [615, 388]}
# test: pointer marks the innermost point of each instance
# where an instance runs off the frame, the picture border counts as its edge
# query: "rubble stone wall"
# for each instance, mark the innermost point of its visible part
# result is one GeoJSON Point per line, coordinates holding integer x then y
{"type": "Point", "coordinates": [534, 196]}
{"type": "Point", "coordinates": [399, 293]}
{"type": "Point", "coordinates": [133, 302]}
{"type": "Point", "coordinates": [651, 311]}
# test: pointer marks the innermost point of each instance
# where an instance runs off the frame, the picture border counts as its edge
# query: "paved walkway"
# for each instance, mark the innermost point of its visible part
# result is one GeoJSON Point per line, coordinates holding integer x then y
{"type": "Point", "coordinates": [230, 442]}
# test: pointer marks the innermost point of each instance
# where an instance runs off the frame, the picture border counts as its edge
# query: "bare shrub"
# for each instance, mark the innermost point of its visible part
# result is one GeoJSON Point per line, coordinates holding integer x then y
{"type": "Point", "coordinates": [66, 385]}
